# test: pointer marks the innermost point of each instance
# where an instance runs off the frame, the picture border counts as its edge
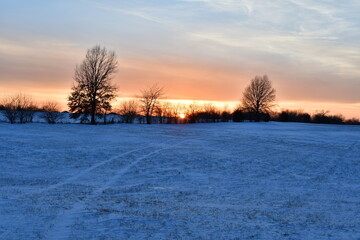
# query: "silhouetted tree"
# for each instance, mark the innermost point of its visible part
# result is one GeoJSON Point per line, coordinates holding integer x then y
{"type": "Point", "coordinates": [225, 116]}
{"type": "Point", "coordinates": [259, 96]}
{"type": "Point", "coordinates": [19, 108]}
{"type": "Point", "coordinates": [160, 110]}
{"type": "Point", "coordinates": [176, 110]}
{"type": "Point", "coordinates": [51, 112]}
{"type": "Point", "coordinates": [293, 116]}
{"type": "Point", "coordinates": [238, 115]}
{"type": "Point", "coordinates": [211, 113]}
{"type": "Point", "coordinates": [149, 98]}
{"type": "Point", "coordinates": [171, 112]}
{"type": "Point", "coordinates": [25, 108]}
{"type": "Point", "coordinates": [353, 121]}
{"type": "Point", "coordinates": [9, 106]}
{"type": "Point", "coordinates": [128, 110]}
{"type": "Point", "coordinates": [324, 117]}
{"type": "Point", "coordinates": [192, 111]}
{"type": "Point", "coordinates": [93, 89]}
{"type": "Point", "coordinates": [287, 116]}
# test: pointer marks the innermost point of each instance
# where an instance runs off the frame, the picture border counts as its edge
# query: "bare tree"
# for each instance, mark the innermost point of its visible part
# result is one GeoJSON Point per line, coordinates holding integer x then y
{"type": "Point", "coordinates": [259, 96]}
{"type": "Point", "coordinates": [25, 108]}
{"type": "Point", "coordinates": [172, 111]}
{"type": "Point", "coordinates": [167, 114]}
{"type": "Point", "coordinates": [51, 111]}
{"type": "Point", "coordinates": [93, 89]}
{"type": "Point", "coordinates": [28, 109]}
{"type": "Point", "coordinates": [160, 110]}
{"type": "Point", "coordinates": [192, 111]}
{"type": "Point", "coordinates": [193, 108]}
{"type": "Point", "coordinates": [9, 106]}
{"type": "Point", "coordinates": [128, 110]}
{"type": "Point", "coordinates": [211, 113]}
{"type": "Point", "coordinates": [178, 109]}
{"type": "Point", "coordinates": [19, 108]}
{"type": "Point", "coordinates": [149, 98]}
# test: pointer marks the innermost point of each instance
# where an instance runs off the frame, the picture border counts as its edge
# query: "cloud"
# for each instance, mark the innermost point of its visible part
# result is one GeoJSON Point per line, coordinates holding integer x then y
{"type": "Point", "coordinates": [131, 12]}
{"type": "Point", "coordinates": [226, 5]}
{"type": "Point", "coordinates": [322, 33]}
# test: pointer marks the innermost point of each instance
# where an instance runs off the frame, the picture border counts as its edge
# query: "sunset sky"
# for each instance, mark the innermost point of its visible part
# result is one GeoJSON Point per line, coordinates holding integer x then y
{"type": "Point", "coordinates": [197, 49]}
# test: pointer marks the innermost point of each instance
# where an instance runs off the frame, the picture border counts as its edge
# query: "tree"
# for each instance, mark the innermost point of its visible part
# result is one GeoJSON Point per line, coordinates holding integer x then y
{"type": "Point", "coordinates": [174, 112]}
{"type": "Point", "coordinates": [324, 117]}
{"type": "Point", "coordinates": [293, 116]}
{"type": "Point", "coordinates": [128, 110]}
{"type": "Point", "coordinates": [19, 108]}
{"type": "Point", "coordinates": [51, 112]}
{"type": "Point", "coordinates": [353, 121]}
{"type": "Point", "coordinates": [166, 111]}
{"type": "Point", "coordinates": [160, 110]}
{"type": "Point", "coordinates": [149, 98]}
{"type": "Point", "coordinates": [210, 113]}
{"type": "Point", "coordinates": [9, 106]}
{"type": "Point", "coordinates": [192, 112]}
{"type": "Point", "coordinates": [238, 115]}
{"type": "Point", "coordinates": [93, 89]}
{"type": "Point", "coordinates": [259, 96]}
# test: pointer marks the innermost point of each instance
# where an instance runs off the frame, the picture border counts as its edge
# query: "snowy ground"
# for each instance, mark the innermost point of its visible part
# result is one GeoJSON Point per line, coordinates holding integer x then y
{"type": "Point", "coordinates": [201, 181]}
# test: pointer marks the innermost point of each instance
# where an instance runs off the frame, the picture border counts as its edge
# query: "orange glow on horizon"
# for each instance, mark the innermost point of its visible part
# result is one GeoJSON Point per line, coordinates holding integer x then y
{"type": "Point", "coordinates": [182, 115]}
{"type": "Point", "coordinates": [348, 110]}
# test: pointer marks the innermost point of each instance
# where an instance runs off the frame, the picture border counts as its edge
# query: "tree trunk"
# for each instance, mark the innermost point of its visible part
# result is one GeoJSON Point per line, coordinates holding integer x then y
{"type": "Point", "coordinates": [93, 118]}
{"type": "Point", "coordinates": [93, 109]}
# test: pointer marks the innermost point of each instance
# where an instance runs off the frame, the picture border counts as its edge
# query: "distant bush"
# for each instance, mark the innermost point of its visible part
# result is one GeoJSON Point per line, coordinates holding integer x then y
{"type": "Point", "coordinates": [352, 121]}
{"type": "Point", "coordinates": [225, 116]}
{"type": "Point", "coordinates": [293, 116]}
{"type": "Point", "coordinates": [323, 117]}
{"type": "Point", "coordinates": [318, 117]}
{"type": "Point", "coordinates": [238, 115]}
{"type": "Point", "coordinates": [208, 113]}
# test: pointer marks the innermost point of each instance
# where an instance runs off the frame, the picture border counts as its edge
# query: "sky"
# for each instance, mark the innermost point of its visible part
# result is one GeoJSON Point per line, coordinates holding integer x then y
{"type": "Point", "coordinates": [197, 49]}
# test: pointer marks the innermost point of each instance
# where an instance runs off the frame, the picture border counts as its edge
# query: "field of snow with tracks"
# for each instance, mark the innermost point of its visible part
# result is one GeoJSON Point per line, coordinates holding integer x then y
{"type": "Point", "coordinates": [199, 181]}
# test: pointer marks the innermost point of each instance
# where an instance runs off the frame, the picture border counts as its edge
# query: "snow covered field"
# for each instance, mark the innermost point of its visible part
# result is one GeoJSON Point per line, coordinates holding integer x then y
{"type": "Point", "coordinates": [201, 181]}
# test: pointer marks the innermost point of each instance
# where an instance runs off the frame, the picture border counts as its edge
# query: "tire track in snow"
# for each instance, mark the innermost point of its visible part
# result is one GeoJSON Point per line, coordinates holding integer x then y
{"type": "Point", "coordinates": [61, 228]}
{"type": "Point", "coordinates": [70, 180]}
{"type": "Point", "coordinates": [81, 173]}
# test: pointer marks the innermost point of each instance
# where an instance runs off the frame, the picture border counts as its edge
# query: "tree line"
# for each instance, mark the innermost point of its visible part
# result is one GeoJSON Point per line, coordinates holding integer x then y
{"type": "Point", "coordinates": [92, 93]}
{"type": "Point", "coordinates": [21, 108]}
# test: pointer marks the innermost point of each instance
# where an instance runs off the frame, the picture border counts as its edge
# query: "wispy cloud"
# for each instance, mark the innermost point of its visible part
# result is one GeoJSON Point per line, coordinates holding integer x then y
{"type": "Point", "coordinates": [227, 5]}
{"type": "Point", "coordinates": [135, 13]}
{"type": "Point", "coordinates": [320, 32]}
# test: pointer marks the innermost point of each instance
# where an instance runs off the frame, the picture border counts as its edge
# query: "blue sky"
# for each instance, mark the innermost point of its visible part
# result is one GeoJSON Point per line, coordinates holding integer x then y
{"type": "Point", "coordinates": [197, 49]}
